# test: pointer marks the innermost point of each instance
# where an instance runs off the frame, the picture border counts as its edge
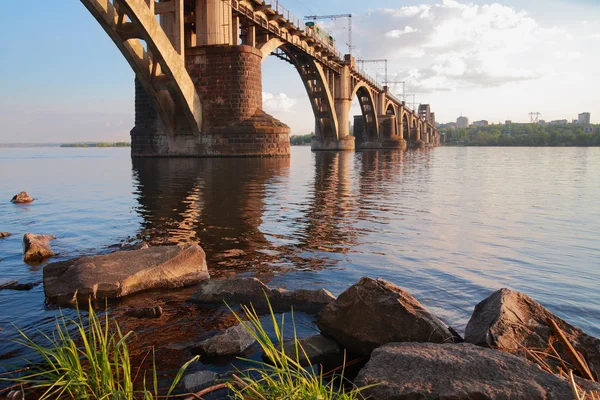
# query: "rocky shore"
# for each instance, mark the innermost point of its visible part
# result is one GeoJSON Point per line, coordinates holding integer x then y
{"type": "Point", "coordinates": [412, 354]}
{"type": "Point", "coordinates": [513, 347]}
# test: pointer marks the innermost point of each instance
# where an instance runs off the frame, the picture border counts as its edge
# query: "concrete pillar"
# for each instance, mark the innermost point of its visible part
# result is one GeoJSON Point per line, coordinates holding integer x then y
{"type": "Point", "coordinates": [342, 109]}
{"type": "Point", "coordinates": [235, 30]}
{"type": "Point", "coordinates": [213, 23]}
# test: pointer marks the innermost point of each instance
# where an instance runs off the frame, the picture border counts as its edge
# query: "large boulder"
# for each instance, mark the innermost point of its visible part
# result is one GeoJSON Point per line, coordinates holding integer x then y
{"type": "Point", "coordinates": [252, 290]}
{"type": "Point", "coordinates": [123, 273]}
{"type": "Point", "coordinates": [36, 248]}
{"type": "Point", "coordinates": [407, 371]}
{"type": "Point", "coordinates": [21, 198]}
{"type": "Point", "coordinates": [234, 341]}
{"type": "Point", "coordinates": [373, 312]}
{"type": "Point", "coordinates": [510, 320]}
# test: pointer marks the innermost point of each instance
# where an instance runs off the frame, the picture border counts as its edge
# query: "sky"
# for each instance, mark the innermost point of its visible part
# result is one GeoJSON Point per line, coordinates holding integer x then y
{"type": "Point", "coordinates": [62, 78]}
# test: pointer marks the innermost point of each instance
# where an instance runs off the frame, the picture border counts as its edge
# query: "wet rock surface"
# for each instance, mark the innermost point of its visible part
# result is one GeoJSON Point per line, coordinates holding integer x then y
{"type": "Point", "coordinates": [5, 235]}
{"type": "Point", "coordinates": [234, 341]}
{"type": "Point", "coordinates": [407, 371]}
{"type": "Point", "coordinates": [510, 320]}
{"type": "Point", "coordinates": [251, 290]}
{"type": "Point", "coordinates": [316, 348]}
{"type": "Point", "coordinates": [373, 312]}
{"type": "Point", "coordinates": [5, 283]}
{"type": "Point", "coordinates": [197, 381]}
{"type": "Point", "coordinates": [145, 312]}
{"type": "Point", "coordinates": [123, 273]}
{"type": "Point", "coordinates": [21, 198]}
{"type": "Point", "coordinates": [36, 248]}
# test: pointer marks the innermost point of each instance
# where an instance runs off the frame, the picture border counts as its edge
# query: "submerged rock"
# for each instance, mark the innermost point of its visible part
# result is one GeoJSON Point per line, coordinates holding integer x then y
{"type": "Point", "coordinates": [6, 283]}
{"type": "Point", "coordinates": [510, 320]}
{"type": "Point", "coordinates": [146, 312]}
{"type": "Point", "coordinates": [373, 312]}
{"type": "Point", "coordinates": [36, 248]}
{"type": "Point", "coordinates": [316, 348]}
{"type": "Point", "coordinates": [232, 342]}
{"type": "Point", "coordinates": [5, 235]}
{"type": "Point", "coordinates": [123, 273]}
{"type": "Point", "coordinates": [21, 198]}
{"type": "Point", "coordinates": [195, 382]}
{"type": "Point", "coordinates": [252, 290]}
{"type": "Point", "coordinates": [407, 371]}
{"type": "Point", "coordinates": [20, 286]}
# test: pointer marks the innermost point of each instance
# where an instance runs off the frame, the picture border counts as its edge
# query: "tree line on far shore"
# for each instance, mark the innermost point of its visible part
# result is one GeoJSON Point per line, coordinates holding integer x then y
{"type": "Point", "coordinates": [524, 135]}
{"type": "Point", "coordinates": [99, 144]}
{"type": "Point", "coordinates": [301, 140]}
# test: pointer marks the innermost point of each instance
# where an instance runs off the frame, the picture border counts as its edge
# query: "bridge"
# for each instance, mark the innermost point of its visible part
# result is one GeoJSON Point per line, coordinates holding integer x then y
{"type": "Point", "coordinates": [198, 86]}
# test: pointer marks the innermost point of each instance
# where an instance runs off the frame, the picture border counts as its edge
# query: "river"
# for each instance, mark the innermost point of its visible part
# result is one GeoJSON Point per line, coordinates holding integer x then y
{"type": "Point", "coordinates": [450, 225]}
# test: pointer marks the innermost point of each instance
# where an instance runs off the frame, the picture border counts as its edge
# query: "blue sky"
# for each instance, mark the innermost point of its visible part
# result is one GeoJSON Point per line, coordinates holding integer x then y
{"type": "Point", "coordinates": [62, 79]}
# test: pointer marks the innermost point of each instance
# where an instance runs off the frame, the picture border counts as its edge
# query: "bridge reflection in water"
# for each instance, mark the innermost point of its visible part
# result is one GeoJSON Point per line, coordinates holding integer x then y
{"type": "Point", "coordinates": [247, 215]}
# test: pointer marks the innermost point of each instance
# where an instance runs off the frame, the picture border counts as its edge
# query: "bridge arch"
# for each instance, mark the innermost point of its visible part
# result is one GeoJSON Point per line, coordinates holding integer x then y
{"type": "Point", "coordinates": [367, 107]}
{"type": "Point", "coordinates": [159, 66]}
{"type": "Point", "coordinates": [405, 126]}
{"type": "Point", "coordinates": [390, 109]}
{"type": "Point", "coordinates": [317, 89]}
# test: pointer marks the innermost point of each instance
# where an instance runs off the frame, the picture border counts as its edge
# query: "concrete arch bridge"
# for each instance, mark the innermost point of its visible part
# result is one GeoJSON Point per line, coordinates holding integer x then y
{"type": "Point", "coordinates": [199, 82]}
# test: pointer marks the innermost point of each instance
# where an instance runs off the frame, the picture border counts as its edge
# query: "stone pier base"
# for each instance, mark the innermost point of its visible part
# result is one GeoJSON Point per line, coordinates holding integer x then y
{"type": "Point", "coordinates": [395, 143]}
{"type": "Point", "coordinates": [344, 144]}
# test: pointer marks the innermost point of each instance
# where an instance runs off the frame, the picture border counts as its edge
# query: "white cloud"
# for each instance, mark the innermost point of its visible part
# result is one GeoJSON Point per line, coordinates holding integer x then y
{"type": "Point", "coordinates": [460, 45]}
{"type": "Point", "coordinates": [278, 103]}
{"type": "Point", "coordinates": [596, 36]}
{"type": "Point", "coordinates": [397, 33]}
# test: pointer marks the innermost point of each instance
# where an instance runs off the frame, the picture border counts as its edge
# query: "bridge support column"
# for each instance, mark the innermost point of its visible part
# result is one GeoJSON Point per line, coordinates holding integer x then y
{"type": "Point", "coordinates": [345, 141]}
{"type": "Point", "coordinates": [229, 82]}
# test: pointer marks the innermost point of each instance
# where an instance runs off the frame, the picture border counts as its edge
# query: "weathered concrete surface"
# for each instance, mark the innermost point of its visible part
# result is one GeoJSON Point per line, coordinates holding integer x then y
{"type": "Point", "coordinates": [22, 197]}
{"type": "Point", "coordinates": [410, 371]}
{"type": "Point", "coordinates": [373, 312]}
{"type": "Point", "coordinates": [252, 290]}
{"type": "Point", "coordinates": [36, 248]}
{"type": "Point", "coordinates": [195, 382]}
{"type": "Point", "coordinates": [234, 341]}
{"type": "Point", "coordinates": [4, 235]}
{"type": "Point", "coordinates": [123, 273]}
{"type": "Point", "coordinates": [510, 320]}
{"type": "Point", "coordinates": [316, 348]}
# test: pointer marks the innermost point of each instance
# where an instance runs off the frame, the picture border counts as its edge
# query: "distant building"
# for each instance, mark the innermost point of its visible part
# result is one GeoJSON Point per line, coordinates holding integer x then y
{"type": "Point", "coordinates": [575, 122]}
{"type": "Point", "coordinates": [584, 118]}
{"type": "Point", "coordinates": [462, 122]}
{"type": "Point", "coordinates": [507, 122]}
{"type": "Point", "coordinates": [559, 122]}
{"type": "Point", "coordinates": [588, 129]}
{"type": "Point", "coordinates": [480, 123]}
{"type": "Point", "coordinates": [542, 122]}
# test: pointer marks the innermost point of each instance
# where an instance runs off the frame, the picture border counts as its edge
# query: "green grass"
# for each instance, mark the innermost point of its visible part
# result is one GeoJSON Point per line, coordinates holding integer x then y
{"type": "Point", "coordinates": [92, 362]}
{"type": "Point", "coordinates": [284, 378]}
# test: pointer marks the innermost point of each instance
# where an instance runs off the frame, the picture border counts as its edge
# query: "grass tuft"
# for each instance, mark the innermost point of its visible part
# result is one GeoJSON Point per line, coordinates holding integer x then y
{"type": "Point", "coordinates": [85, 359]}
{"type": "Point", "coordinates": [284, 378]}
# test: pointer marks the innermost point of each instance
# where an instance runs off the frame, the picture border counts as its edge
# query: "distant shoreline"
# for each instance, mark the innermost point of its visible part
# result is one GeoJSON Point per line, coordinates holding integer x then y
{"type": "Point", "coordinates": [64, 145]}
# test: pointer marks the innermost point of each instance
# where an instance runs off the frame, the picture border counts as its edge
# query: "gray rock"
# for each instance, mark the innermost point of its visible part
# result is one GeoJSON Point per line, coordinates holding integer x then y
{"type": "Point", "coordinates": [22, 197]}
{"type": "Point", "coordinates": [123, 273]}
{"type": "Point", "coordinates": [5, 235]}
{"type": "Point", "coordinates": [232, 342]}
{"type": "Point", "coordinates": [252, 290]}
{"type": "Point", "coordinates": [316, 348]}
{"type": "Point", "coordinates": [510, 320]}
{"type": "Point", "coordinates": [36, 247]}
{"type": "Point", "coordinates": [373, 312]}
{"type": "Point", "coordinates": [195, 382]}
{"type": "Point", "coordinates": [407, 371]}
{"type": "Point", "coordinates": [145, 312]}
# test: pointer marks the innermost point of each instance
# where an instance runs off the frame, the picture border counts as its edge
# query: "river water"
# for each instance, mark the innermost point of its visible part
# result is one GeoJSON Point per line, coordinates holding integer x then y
{"type": "Point", "coordinates": [450, 225]}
